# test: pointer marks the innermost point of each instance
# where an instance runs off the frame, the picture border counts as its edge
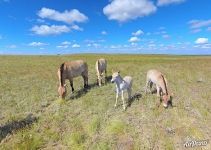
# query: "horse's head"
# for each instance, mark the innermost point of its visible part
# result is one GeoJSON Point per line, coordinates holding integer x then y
{"type": "Point", "coordinates": [115, 75]}
{"type": "Point", "coordinates": [167, 100]}
{"type": "Point", "coordinates": [62, 91]}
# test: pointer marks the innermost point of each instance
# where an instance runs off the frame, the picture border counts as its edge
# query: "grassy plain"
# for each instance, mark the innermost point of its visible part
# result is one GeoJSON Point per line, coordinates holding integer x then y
{"type": "Point", "coordinates": [33, 117]}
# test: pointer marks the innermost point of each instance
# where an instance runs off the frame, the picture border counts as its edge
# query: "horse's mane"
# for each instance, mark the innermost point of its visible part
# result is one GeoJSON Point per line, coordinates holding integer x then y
{"type": "Point", "coordinates": [61, 73]}
{"type": "Point", "coordinates": [165, 84]}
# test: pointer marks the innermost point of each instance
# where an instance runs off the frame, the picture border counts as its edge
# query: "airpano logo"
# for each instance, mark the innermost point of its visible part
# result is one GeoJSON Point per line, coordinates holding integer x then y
{"type": "Point", "coordinates": [196, 143]}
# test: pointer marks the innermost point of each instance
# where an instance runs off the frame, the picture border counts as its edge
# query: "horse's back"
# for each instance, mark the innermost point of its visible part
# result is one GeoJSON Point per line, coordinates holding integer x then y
{"type": "Point", "coordinates": [76, 68]}
{"type": "Point", "coordinates": [128, 80]}
{"type": "Point", "coordinates": [153, 75]}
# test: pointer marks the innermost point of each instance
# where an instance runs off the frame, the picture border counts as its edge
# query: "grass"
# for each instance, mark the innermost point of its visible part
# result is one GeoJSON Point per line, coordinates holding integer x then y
{"type": "Point", "coordinates": [88, 120]}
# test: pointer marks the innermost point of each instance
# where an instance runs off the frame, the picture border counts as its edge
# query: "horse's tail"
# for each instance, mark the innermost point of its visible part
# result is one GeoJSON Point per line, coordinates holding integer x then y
{"type": "Point", "coordinates": [61, 74]}
{"type": "Point", "coordinates": [97, 66]}
{"type": "Point", "coordinates": [86, 67]}
{"type": "Point", "coordinates": [165, 84]}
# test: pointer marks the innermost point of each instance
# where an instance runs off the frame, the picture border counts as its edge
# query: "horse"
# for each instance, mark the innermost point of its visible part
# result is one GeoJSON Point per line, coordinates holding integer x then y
{"type": "Point", "coordinates": [157, 78]}
{"type": "Point", "coordinates": [122, 84]}
{"type": "Point", "coordinates": [101, 66]}
{"type": "Point", "coordinates": [70, 70]}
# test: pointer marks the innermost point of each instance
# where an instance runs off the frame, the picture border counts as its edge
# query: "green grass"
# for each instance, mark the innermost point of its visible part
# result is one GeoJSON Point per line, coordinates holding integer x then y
{"type": "Point", "coordinates": [28, 85]}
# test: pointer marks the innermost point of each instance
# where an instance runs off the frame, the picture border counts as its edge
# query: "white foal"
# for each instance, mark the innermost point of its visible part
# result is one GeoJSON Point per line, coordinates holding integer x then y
{"type": "Point", "coordinates": [121, 86]}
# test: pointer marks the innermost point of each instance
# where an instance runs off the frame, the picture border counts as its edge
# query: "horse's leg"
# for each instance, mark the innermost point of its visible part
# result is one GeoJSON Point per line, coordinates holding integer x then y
{"type": "Point", "coordinates": [85, 81]}
{"type": "Point", "coordinates": [99, 78]}
{"type": "Point", "coordinates": [129, 93]}
{"type": "Point", "coordinates": [85, 77]}
{"type": "Point", "coordinates": [123, 100]}
{"type": "Point", "coordinates": [158, 90]}
{"type": "Point", "coordinates": [146, 87]}
{"type": "Point", "coordinates": [117, 95]}
{"type": "Point", "coordinates": [71, 84]}
{"type": "Point", "coordinates": [105, 76]}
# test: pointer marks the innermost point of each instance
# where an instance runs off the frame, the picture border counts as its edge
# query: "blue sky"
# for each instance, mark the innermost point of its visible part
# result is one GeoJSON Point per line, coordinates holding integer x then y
{"type": "Point", "coordinates": [105, 26]}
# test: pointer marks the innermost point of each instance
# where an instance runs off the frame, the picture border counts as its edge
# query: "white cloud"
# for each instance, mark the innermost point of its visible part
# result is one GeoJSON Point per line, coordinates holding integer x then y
{"type": "Point", "coordinates": [63, 46]}
{"type": "Point", "coordinates": [124, 10]}
{"type": "Point", "coordinates": [50, 30]}
{"type": "Point", "coordinates": [69, 17]}
{"type": "Point", "coordinates": [76, 27]}
{"type": "Point", "coordinates": [37, 44]}
{"type": "Point", "coordinates": [167, 2]}
{"type": "Point", "coordinates": [134, 44]}
{"type": "Point", "coordinates": [202, 41]}
{"type": "Point", "coordinates": [166, 36]}
{"type": "Point", "coordinates": [66, 43]}
{"type": "Point", "coordinates": [103, 32]}
{"type": "Point", "coordinates": [137, 33]}
{"type": "Point", "coordinates": [134, 39]}
{"type": "Point", "coordinates": [196, 31]}
{"type": "Point", "coordinates": [199, 23]}
{"type": "Point", "coordinates": [89, 45]}
{"type": "Point", "coordinates": [76, 46]}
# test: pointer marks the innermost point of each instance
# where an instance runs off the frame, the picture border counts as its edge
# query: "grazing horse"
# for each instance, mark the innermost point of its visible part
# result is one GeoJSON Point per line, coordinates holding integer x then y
{"type": "Point", "coordinates": [70, 70]}
{"type": "Point", "coordinates": [121, 86]}
{"type": "Point", "coordinates": [101, 66]}
{"type": "Point", "coordinates": [157, 78]}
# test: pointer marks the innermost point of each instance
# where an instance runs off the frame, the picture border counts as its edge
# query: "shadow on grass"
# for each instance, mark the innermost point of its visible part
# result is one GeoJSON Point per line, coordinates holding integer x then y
{"type": "Point", "coordinates": [82, 92]}
{"type": "Point", "coordinates": [10, 127]}
{"type": "Point", "coordinates": [136, 96]}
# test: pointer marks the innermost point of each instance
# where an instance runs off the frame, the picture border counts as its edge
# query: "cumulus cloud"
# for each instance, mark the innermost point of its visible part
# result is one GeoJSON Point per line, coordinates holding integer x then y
{"type": "Point", "coordinates": [167, 2]}
{"type": "Point", "coordinates": [37, 44]}
{"type": "Point", "coordinates": [69, 17]}
{"type": "Point", "coordinates": [76, 46]}
{"type": "Point", "coordinates": [137, 33]}
{"type": "Point", "coordinates": [124, 10]}
{"type": "Point", "coordinates": [202, 41]}
{"type": "Point", "coordinates": [134, 39]}
{"type": "Point", "coordinates": [199, 23]}
{"type": "Point", "coordinates": [50, 30]}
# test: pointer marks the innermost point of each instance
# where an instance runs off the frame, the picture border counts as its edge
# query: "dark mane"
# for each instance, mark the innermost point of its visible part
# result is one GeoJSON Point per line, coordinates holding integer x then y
{"type": "Point", "coordinates": [165, 84]}
{"type": "Point", "coordinates": [61, 73]}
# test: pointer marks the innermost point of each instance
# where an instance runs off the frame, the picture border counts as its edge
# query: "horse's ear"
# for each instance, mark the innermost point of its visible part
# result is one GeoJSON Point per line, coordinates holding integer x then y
{"type": "Point", "coordinates": [119, 72]}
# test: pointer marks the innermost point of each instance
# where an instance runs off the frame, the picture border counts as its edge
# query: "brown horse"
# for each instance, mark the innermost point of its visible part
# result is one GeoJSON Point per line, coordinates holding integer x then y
{"type": "Point", "coordinates": [157, 78]}
{"type": "Point", "coordinates": [70, 70]}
